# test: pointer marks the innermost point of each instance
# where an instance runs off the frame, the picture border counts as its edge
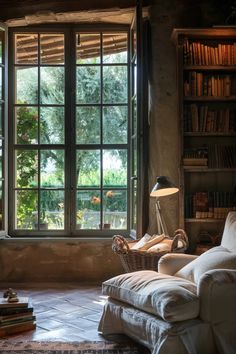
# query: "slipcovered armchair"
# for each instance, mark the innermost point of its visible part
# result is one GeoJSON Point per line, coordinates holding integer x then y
{"type": "Point", "coordinates": [188, 307]}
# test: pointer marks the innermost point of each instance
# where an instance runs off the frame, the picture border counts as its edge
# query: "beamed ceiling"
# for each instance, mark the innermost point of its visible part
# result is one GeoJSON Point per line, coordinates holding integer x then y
{"type": "Point", "coordinates": [30, 12]}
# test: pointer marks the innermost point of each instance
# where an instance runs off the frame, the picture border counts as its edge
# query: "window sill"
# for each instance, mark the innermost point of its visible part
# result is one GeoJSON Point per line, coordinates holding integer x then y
{"type": "Point", "coordinates": [56, 239]}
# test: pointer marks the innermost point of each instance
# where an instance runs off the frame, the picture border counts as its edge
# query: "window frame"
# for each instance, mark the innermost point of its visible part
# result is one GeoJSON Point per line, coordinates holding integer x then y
{"type": "Point", "coordinates": [70, 126]}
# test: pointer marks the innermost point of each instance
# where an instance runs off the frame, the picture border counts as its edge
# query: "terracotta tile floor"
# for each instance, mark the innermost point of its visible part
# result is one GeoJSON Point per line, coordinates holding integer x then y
{"type": "Point", "coordinates": [65, 312]}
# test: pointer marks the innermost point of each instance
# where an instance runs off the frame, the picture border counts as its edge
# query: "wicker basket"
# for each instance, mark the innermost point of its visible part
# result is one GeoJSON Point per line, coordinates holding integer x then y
{"type": "Point", "coordinates": [133, 260]}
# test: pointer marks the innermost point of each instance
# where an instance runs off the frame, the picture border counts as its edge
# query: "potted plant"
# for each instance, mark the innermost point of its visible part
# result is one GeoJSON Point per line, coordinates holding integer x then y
{"type": "Point", "coordinates": [79, 218]}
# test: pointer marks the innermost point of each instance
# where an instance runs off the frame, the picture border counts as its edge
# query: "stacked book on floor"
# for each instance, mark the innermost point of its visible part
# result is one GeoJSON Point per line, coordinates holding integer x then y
{"type": "Point", "coordinates": [16, 317]}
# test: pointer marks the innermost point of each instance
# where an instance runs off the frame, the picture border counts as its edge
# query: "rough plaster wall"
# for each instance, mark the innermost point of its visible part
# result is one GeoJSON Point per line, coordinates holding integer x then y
{"type": "Point", "coordinates": [56, 261]}
{"type": "Point", "coordinates": [164, 139]}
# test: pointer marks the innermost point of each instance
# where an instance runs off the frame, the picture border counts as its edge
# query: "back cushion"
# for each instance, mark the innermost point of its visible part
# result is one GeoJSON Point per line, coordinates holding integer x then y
{"type": "Point", "coordinates": [216, 258]}
{"type": "Point", "coordinates": [229, 235]}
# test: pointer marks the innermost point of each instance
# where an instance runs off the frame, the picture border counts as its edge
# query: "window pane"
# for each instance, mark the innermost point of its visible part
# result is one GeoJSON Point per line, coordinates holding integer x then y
{"type": "Point", "coordinates": [26, 209]}
{"type": "Point", "coordinates": [1, 119]}
{"type": "Point", "coordinates": [52, 85]}
{"type": "Point", "coordinates": [52, 125]}
{"type": "Point", "coordinates": [115, 48]}
{"type": "Point", "coordinates": [115, 168]}
{"type": "Point", "coordinates": [26, 125]}
{"type": "Point", "coordinates": [88, 48]}
{"type": "Point", "coordinates": [88, 209]}
{"type": "Point", "coordinates": [26, 168]}
{"type": "Point", "coordinates": [1, 159]}
{"type": "Point", "coordinates": [52, 168]}
{"type": "Point", "coordinates": [52, 48]}
{"type": "Point", "coordinates": [1, 45]}
{"type": "Point", "coordinates": [115, 84]}
{"type": "Point", "coordinates": [51, 210]}
{"type": "Point", "coordinates": [26, 48]}
{"type": "Point", "coordinates": [88, 84]}
{"type": "Point", "coordinates": [1, 84]}
{"type": "Point", "coordinates": [115, 209]}
{"type": "Point", "coordinates": [115, 125]}
{"type": "Point", "coordinates": [1, 205]}
{"type": "Point", "coordinates": [88, 168]}
{"type": "Point", "coordinates": [26, 85]}
{"type": "Point", "coordinates": [88, 125]}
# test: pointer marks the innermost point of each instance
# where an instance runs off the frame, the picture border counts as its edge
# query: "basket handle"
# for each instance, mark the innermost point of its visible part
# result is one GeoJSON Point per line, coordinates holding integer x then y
{"type": "Point", "coordinates": [120, 244]}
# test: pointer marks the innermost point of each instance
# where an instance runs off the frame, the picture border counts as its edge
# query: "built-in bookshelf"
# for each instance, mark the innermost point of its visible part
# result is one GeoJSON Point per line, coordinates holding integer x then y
{"type": "Point", "coordinates": [206, 68]}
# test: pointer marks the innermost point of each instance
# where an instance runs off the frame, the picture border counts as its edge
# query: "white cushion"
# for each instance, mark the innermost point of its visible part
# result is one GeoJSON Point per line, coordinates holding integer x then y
{"type": "Point", "coordinates": [216, 258]}
{"type": "Point", "coordinates": [171, 298]}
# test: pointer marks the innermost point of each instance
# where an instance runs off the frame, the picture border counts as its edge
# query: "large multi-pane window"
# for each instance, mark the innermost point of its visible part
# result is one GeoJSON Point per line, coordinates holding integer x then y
{"type": "Point", "coordinates": [70, 132]}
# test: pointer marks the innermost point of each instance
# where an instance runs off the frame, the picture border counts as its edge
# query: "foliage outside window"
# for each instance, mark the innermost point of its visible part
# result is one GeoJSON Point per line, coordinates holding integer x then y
{"type": "Point", "coordinates": [70, 132]}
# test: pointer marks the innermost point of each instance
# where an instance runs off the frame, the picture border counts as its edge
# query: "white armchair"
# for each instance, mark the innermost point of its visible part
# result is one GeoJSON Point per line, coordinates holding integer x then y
{"type": "Point", "coordinates": [188, 307]}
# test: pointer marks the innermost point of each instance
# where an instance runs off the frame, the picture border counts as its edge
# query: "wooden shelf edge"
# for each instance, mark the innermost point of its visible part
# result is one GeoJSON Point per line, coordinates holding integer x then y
{"type": "Point", "coordinates": [194, 220]}
{"type": "Point", "coordinates": [208, 170]}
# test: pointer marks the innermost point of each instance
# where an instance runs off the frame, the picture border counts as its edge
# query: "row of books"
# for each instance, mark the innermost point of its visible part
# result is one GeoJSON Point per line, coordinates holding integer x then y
{"type": "Point", "coordinates": [198, 53]}
{"type": "Point", "coordinates": [202, 118]}
{"type": "Point", "coordinates": [200, 84]}
{"type": "Point", "coordinates": [210, 156]}
{"type": "Point", "coordinates": [213, 205]}
{"type": "Point", "coordinates": [16, 317]}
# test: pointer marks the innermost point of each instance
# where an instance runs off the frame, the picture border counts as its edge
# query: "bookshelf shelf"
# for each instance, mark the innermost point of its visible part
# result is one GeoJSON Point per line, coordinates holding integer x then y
{"type": "Point", "coordinates": [208, 170]}
{"type": "Point", "coordinates": [223, 68]}
{"type": "Point", "coordinates": [207, 220]}
{"type": "Point", "coordinates": [206, 72]}
{"type": "Point", "coordinates": [205, 134]}
{"type": "Point", "coordinates": [210, 98]}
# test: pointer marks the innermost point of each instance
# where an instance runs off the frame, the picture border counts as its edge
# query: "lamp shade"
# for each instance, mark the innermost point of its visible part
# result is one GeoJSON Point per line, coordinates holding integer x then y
{"type": "Point", "coordinates": [163, 187]}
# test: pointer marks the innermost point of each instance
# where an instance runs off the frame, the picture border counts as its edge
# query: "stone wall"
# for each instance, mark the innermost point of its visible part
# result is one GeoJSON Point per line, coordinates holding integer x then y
{"type": "Point", "coordinates": [57, 261]}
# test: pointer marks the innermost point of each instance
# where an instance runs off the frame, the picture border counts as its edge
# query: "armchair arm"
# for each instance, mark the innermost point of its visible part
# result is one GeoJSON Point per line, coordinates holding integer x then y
{"type": "Point", "coordinates": [172, 262]}
{"type": "Point", "coordinates": [217, 293]}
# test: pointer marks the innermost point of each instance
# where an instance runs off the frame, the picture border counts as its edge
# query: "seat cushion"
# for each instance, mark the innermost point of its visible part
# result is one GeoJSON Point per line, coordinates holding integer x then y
{"type": "Point", "coordinates": [171, 298]}
{"type": "Point", "coordinates": [215, 258]}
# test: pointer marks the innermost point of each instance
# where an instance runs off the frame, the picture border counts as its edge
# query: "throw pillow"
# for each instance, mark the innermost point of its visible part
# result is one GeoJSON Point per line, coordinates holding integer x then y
{"type": "Point", "coordinates": [215, 258]}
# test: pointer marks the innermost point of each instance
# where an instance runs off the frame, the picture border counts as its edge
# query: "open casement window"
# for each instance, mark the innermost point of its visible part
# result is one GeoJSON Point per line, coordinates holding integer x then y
{"type": "Point", "coordinates": [76, 128]}
{"type": "Point", "coordinates": [69, 131]}
{"type": "Point", "coordinates": [138, 122]}
{"type": "Point", "coordinates": [3, 127]}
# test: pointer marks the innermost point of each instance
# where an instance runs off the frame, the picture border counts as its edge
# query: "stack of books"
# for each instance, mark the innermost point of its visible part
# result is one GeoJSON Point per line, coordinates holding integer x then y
{"type": "Point", "coordinates": [16, 317]}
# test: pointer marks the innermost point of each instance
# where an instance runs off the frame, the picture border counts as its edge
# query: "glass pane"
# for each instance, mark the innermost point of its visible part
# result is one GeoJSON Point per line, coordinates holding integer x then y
{"type": "Point", "coordinates": [115, 120]}
{"type": "Point", "coordinates": [1, 206]}
{"type": "Point", "coordinates": [52, 48]}
{"type": "Point", "coordinates": [88, 168]}
{"type": "Point", "coordinates": [26, 85]}
{"type": "Point", "coordinates": [134, 206]}
{"type": "Point", "coordinates": [114, 48]}
{"type": "Point", "coordinates": [26, 168]}
{"type": "Point", "coordinates": [115, 84]}
{"type": "Point", "coordinates": [52, 168]}
{"type": "Point", "coordinates": [52, 125]}
{"type": "Point", "coordinates": [1, 119]}
{"type": "Point", "coordinates": [1, 45]}
{"type": "Point", "coordinates": [88, 84]}
{"type": "Point", "coordinates": [115, 167]}
{"type": "Point", "coordinates": [88, 125]}
{"type": "Point", "coordinates": [26, 209]}
{"type": "Point", "coordinates": [26, 48]}
{"type": "Point", "coordinates": [26, 125]}
{"type": "Point", "coordinates": [1, 84]}
{"type": "Point", "coordinates": [88, 48]}
{"type": "Point", "coordinates": [88, 209]}
{"type": "Point", "coordinates": [134, 115]}
{"type": "Point", "coordinates": [51, 210]}
{"type": "Point", "coordinates": [115, 209]}
{"type": "Point", "coordinates": [1, 159]}
{"type": "Point", "coordinates": [52, 85]}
